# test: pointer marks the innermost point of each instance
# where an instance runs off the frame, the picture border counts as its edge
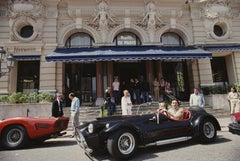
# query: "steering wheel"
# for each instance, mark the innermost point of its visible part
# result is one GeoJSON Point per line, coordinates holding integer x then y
{"type": "Point", "coordinates": [163, 112]}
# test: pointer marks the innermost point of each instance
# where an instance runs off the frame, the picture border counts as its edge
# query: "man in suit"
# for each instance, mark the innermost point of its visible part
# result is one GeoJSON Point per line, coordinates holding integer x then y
{"type": "Point", "coordinates": [57, 110]}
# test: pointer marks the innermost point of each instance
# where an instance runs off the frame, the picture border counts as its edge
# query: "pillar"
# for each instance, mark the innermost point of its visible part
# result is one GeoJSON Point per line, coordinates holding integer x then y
{"type": "Point", "coordinates": [109, 73]}
{"type": "Point", "coordinates": [149, 74]}
{"type": "Point", "coordinates": [159, 69]}
{"type": "Point", "coordinates": [99, 83]}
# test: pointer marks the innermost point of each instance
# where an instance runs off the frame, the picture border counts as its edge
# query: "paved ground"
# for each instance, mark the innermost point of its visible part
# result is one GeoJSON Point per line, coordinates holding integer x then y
{"type": "Point", "coordinates": [226, 148]}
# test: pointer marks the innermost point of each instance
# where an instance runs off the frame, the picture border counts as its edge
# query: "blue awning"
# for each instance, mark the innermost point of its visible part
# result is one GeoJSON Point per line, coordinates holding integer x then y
{"type": "Point", "coordinates": [222, 48]}
{"type": "Point", "coordinates": [117, 53]}
{"type": "Point", "coordinates": [26, 57]}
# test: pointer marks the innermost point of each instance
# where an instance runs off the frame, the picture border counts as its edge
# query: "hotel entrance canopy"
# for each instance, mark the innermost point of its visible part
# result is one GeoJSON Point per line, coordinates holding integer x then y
{"type": "Point", "coordinates": [118, 53]}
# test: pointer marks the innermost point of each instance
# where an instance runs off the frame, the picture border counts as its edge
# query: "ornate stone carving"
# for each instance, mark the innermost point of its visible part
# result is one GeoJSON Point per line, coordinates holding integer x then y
{"type": "Point", "coordinates": [217, 13]}
{"type": "Point", "coordinates": [103, 20]}
{"type": "Point", "coordinates": [217, 8]}
{"type": "Point", "coordinates": [25, 13]}
{"type": "Point", "coordinates": [33, 8]}
{"type": "Point", "coordinates": [151, 20]}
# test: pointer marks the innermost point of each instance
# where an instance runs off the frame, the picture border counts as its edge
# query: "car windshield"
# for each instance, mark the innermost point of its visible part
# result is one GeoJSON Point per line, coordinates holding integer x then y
{"type": "Point", "coordinates": [147, 108]}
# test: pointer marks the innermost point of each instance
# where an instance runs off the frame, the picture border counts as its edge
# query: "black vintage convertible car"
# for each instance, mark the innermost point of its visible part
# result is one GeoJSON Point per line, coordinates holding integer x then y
{"type": "Point", "coordinates": [122, 135]}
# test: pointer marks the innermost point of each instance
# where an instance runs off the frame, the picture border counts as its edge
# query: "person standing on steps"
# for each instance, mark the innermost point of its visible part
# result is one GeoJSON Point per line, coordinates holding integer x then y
{"type": "Point", "coordinates": [156, 86]}
{"type": "Point", "coordinates": [116, 86]}
{"type": "Point", "coordinates": [110, 104]}
{"type": "Point", "coordinates": [126, 103]}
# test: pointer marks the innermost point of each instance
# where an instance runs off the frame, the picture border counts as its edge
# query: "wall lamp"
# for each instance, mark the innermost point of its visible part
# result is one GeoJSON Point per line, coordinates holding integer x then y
{"type": "Point", "coordinates": [10, 61]}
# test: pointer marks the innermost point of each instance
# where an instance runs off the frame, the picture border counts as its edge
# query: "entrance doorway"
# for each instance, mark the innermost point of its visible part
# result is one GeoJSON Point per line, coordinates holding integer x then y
{"type": "Point", "coordinates": [176, 74]}
{"type": "Point", "coordinates": [80, 78]}
{"type": "Point", "coordinates": [127, 70]}
{"type": "Point", "coordinates": [28, 76]}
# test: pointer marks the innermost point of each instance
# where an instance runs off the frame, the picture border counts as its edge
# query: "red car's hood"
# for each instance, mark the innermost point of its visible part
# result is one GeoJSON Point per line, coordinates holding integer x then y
{"type": "Point", "coordinates": [237, 116]}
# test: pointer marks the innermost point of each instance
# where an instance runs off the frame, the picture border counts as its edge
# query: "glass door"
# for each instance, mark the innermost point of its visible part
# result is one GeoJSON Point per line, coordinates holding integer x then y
{"type": "Point", "coordinates": [81, 79]}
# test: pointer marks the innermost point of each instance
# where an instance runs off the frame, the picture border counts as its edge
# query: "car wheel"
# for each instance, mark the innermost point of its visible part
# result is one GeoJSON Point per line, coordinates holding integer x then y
{"type": "Point", "coordinates": [14, 137]}
{"type": "Point", "coordinates": [208, 131]}
{"type": "Point", "coordinates": [122, 144]}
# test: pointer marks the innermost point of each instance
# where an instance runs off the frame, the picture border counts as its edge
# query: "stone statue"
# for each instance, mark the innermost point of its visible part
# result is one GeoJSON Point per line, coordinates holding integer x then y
{"type": "Point", "coordinates": [102, 15]}
{"type": "Point", "coordinates": [151, 16]}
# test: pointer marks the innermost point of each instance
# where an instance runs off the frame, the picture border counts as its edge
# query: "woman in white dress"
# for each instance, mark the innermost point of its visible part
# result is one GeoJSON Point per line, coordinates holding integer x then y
{"type": "Point", "coordinates": [126, 103]}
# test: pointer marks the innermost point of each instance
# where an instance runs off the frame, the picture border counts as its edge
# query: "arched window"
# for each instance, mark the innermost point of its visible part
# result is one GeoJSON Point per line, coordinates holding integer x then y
{"type": "Point", "coordinates": [79, 40]}
{"type": "Point", "coordinates": [172, 39]}
{"type": "Point", "coordinates": [127, 39]}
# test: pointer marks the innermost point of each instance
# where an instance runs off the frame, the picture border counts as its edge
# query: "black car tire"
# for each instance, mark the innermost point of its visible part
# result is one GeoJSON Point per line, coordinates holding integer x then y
{"type": "Point", "coordinates": [14, 137]}
{"type": "Point", "coordinates": [208, 131]}
{"type": "Point", "coordinates": [122, 144]}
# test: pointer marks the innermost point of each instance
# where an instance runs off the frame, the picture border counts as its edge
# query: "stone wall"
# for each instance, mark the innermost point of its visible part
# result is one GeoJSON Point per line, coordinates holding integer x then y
{"type": "Point", "coordinates": [217, 101]}
{"type": "Point", "coordinates": [35, 109]}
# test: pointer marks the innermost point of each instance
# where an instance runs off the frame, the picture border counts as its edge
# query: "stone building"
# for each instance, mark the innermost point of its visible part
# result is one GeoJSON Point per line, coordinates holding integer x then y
{"type": "Point", "coordinates": [80, 46]}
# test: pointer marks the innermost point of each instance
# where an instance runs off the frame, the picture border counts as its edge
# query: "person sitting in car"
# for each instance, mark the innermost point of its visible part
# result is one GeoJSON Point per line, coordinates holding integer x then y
{"type": "Point", "coordinates": [176, 112]}
{"type": "Point", "coordinates": [163, 108]}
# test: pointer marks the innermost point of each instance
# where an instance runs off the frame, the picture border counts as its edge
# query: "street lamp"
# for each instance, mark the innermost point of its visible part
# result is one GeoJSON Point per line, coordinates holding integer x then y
{"type": "Point", "coordinates": [10, 61]}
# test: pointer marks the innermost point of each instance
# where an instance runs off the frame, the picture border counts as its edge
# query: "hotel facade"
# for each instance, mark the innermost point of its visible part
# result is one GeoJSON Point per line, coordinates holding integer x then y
{"type": "Point", "coordinates": [81, 46]}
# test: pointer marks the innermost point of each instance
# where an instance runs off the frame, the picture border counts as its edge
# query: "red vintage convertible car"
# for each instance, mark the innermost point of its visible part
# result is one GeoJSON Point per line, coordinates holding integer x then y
{"type": "Point", "coordinates": [17, 132]}
{"type": "Point", "coordinates": [234, 127]}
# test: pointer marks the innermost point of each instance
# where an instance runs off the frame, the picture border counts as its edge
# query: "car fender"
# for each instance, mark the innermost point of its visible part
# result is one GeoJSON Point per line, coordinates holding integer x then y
{"type": "Point", "coordinates": [120, 126]}
{"type": "Point", "coordinates": [196, 122]}
{"type": "Point", "coordinates": [9, 122]}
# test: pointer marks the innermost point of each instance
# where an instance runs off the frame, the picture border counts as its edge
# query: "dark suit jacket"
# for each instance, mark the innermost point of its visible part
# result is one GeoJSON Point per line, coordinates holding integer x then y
{"type": "Point", "coordinates": [56, 110]}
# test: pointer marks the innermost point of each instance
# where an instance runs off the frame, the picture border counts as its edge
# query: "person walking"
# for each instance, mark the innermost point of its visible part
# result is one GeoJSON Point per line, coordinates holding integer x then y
{"type": "Point", "coordinates": [197, 99]}
{"type": "Point", "coordinates": [233, 97]}
{"type": "Point", "coordinates": [126, 103]}
{"type": "Point", "coordinates": [75, 105]}
{"type": "Point", "coordinates": [57, 106]}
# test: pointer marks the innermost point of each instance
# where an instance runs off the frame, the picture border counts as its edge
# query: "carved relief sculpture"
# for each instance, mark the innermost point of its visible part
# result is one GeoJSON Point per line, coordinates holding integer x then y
{"type": "Point", "coordinates": [103, 20]}
{"type": "Point", "coordinates": [217, 12]}
{"type": "Point", "coordinates": [25, 12]}
{"type": "Point", "coordinates": [217, 8]}
{"type": "Point", "coordinates": [151, 20]}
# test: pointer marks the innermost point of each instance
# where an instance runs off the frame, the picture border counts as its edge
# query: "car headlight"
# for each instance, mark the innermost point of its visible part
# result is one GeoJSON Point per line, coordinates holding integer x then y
{"type": "Point", "coordinates": [107, 125]}
{"type": "Point", "coordinates": [90, 128]}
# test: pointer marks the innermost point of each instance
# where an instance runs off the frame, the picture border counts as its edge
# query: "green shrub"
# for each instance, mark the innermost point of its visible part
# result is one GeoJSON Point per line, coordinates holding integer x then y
{"type": "Point", "coordinates": [18, 97]}
{"type": "Point", "coordinates": [33, 97]}
{"type": "Point", "coordinates": [45, 97]}
{"type": "Point", "coordinates": [3, 98]}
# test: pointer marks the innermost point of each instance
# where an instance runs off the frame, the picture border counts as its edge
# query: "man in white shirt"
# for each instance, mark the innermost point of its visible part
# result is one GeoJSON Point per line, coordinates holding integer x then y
{"type": "Point", "coordinates": [75, 105]}
{"type": "Point", "coordinates": [116, 86]}
{"type": "Point", "coordinates": [197, 99]}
